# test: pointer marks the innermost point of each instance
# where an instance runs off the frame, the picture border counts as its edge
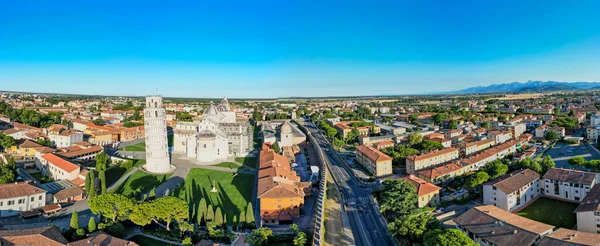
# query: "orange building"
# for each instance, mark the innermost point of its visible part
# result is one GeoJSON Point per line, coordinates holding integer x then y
{"type": "Point", "coordinates": [280, 191]}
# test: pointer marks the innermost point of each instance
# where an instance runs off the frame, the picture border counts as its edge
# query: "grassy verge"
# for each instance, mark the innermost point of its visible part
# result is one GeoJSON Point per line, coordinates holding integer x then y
{"type": "Point", "coordinates": [247, 161]}
{"type": "Point", "coordinates": [553, 212]}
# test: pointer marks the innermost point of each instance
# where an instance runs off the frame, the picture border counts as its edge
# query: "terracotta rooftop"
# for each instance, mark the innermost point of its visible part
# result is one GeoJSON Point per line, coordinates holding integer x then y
{"type": "Point", "coordinates": [19, 189]}
{"type": "Point", "coordinates": [75, 151]}
{"type": "Point", "coordinates": [571, 176]}
{"type": "Point", "coordinates": [383, 143]}
{"type": "Point", "coordinates": [60, 163]}
{"type": "Point", "coordinates": [373, 154]}
{"type": "Point", "coordinates": [500, 227]}
{"type": "Point", "coordinates": [433, 173]}
{"type": "Point", "coordinates": [69, 192]}
{"type": "Point", "coordinates": [513, 181]}
{"type": "Point", "coordinates": [43, 236]}
{"type": "Point", "coordinates": [423, 187]}
{"type": "Point", "coordinates": [591, 201]}
{"type": "Point", "coordinates": [102, 239]}
{"type": "Point", "coordinates": [566, 237]}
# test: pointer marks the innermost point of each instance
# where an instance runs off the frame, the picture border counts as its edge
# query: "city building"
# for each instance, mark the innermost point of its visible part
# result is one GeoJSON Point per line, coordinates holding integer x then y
{"type": "Point", "coordinates": [588, 212]}
{"type": "Point", "coordinates": [345, 127]}
{"type": "Point", "coordinates": [488, 225]}
{"type": "Point", "coordinates": [102, 239]}
{"type": "Point", "coordinates": [155, 125]}
{"type": "Point", "coordinates": [216, 138]}
{"type": "Point", "coordinates": [57, 168]}
{"type": "Point", "coordinates": [383, 144]}
{"type": "Point", "coordinates": [566, 237]}
{"type": "Point", "coordinates": [441, 174]}
{"type": "Point", "coordinates": [47, 236]}
{"type": "Point", "coordinates": [280, 191]}
{"type": "Point", "coordinates": [282, 132]}
{"type": "Point", "coordinates": [375, 161]}
{"type": "Point", "coordinates": [512, 191]}
{"type": "Point", "coordinates": [65, 138]}
{"type": "Point", "coordinates": [415, 163]}
{"type": "Point", "coordinates": [81, 151]}
{"type": "Point", "coordinates": [20, 197]}
{"type": "Point", "coordinates": [517, 129]}
{"type": "Point", "coordinates": [592, 133]}
{"type": "Point", "coordinates": [428, 194]}
{"type": "Point", "coordinates": [566, 184]}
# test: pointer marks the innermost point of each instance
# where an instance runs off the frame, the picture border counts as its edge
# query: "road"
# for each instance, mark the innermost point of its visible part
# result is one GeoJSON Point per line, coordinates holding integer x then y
{"type": "Point", "coordinates": [368, 227]}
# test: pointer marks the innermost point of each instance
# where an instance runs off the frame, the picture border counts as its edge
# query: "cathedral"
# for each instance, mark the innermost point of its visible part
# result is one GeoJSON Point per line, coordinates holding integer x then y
{"type": "Point", "coordinates": [218, 136]}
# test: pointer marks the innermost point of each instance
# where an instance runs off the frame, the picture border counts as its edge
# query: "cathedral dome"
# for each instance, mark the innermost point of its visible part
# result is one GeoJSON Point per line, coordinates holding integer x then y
{"type": "Point", "coordinates": [224, 106]}
{"type": "Point", "coordinates": [286, 128]}
{"type": "Point", "coordinates": [211, 110]}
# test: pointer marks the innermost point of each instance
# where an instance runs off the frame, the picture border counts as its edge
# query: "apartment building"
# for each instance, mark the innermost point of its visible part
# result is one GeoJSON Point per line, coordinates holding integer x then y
{"type": "Point", "coordinates": [566, 237]}
{"type": "Point", "coordinates": [57, 168]}
{"type": "Point", "coordinates": [345, 127]}
{"type": "Point", "coordinates": [499, 136]}
{"type": "Point", "coordinates": [383, 144]}
{"type": "Point", "coordinates": [512, 191]}
{"type": "Point", "coordinates": [415, 163]}
{"type": "Point", "coordinates": [566, 184]}
{"type": "Point", "coordinates": [442, 174]}
{"type": "Point", "coordinates": [452, 133]}
{"type": "Point", "coordinates": [517, 129]}
{"type": "Point", "coordinates": [80, 151]}
{"type": "Point", "coordinates": [428, 194]}
{"type": "Point", "coordinates": [20, 197]}
{"type": "Point", "coordinates": [65, 138]}
{"type": "Point", "coordinates": [375, 161]}
{"type": "Point", "coordinates": [488, 225]}
{"type": "Point", "coordinates": [588, 212]}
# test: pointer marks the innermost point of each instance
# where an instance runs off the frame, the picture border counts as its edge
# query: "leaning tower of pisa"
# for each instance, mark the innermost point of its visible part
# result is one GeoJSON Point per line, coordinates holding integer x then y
{"type": "Point", "coordinates": [155, 127]}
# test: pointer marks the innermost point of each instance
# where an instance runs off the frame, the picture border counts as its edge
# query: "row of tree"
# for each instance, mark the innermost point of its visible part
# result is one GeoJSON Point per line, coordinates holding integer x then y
{"type": "Point", "coordinates": [206, 214]}
{"type": "Point", "coordinates": [579, 161]}
{"type": "Point", "coordinates": [31, 117]}
{"type": "Point", "coordinates": [102, 162]}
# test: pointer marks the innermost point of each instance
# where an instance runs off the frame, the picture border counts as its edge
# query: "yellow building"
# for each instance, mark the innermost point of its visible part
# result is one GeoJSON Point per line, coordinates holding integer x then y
{"type": "Point", "coordinates": [415, 163]}
{"type": "Point", "coordinates": [25, 148]}
{"type": "Point", "coordinates": [378, 163]}
{"type": "Point", "coordinates": [428, 193]}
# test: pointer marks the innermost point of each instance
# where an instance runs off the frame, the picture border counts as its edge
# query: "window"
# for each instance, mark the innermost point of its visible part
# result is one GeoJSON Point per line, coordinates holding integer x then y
{"type": "Point", "coordinates": [32, 198]}
{"type": "Point", "coordinates": [11, 203]}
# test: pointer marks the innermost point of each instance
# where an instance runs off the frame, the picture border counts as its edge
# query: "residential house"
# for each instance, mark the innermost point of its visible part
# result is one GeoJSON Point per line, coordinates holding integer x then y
{"type": "Point", "coordinates": [102, 239]}
{"type": "Point", "coordinates": [19, 197]}
{"type": "Point", "coordinates": [65, 138]}
{"type": "Point", "coordinates": [588, 212]}
{"type": "Point", "coordinates": [566, 237]}
{"type": "Point", "coordinates": [512, 191]}
{"type": "Point", "coordinates": [46, 236]}
{"type": "Point", "coordinates": [58, 168]}
{"type": "Point", "coordinates": [428, 194]}
{"type": "Point", "coordinates": [566, 184]}
{"type": "Point", "coordinates": [441, 174]}
{"type": "Point", "coordinates": [415, 163]}
{"type": "Point", "coordinates": [69, 195]}
{"type": "Point", "coordinates": [488, 225]}
{"type": "Point", "coordinates": [375, 161]}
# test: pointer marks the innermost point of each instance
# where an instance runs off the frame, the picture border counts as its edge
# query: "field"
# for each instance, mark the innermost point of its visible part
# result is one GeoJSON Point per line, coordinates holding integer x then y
{"type": "Point", "coordinates": [553, 212]}
{"type": "Point", "coordinates": [247, 161]}
{"type": "Point", "coordinates": [113, 174]}
{"type": "Point", "coordinates": [146, 241]}
{"type": "Point", "coordinates": [141, 182]}
{"type": "Point", "coordinates": [519, 96]}
{"type": "Point", "coordinates": [234, 190]}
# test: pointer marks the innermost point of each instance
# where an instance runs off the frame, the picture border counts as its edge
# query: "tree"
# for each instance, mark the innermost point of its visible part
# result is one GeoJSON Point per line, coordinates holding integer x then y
{"type": "Point", "coordinates": [90, 184]}
{"type": "Point", "coordinates": [450, 237]}
{"type": "Point", "coordinates": [294, 228]}
{"type": "Point", "coordinates": [210, 213]}
{"type": "Point", "coordinates": [92, 224]}
{"type": "Point", "coordinates": [429, 145]}
{"type": "Point", "coordinates": [234, 223]}
{"type": "Point", "coordinates": [453, 124]}
{"type": "Point", "coordinates": [577, 161]}
{"type": "Point", "coordinates": [300, 239]}
{"type": "Point", "coordinates": [414, 138]}
{"type": "Point", "coordinates": [485, 124]}
{"type": "Point", "coordinates": [552, 135]}
{"type": "Point", "coordinates": [187, 241]}
{"type": "Point", "coordinates": [166, 209]}
{"type": "Point", "coordinates": [496, 169]}
{"type": "Point", "coordinates": [219, 217]}
{"type": "Point", "coordinates": [74, 221]}
{"type": "Point", "coordinates": [102, 161]}
{"type": "Point", "coordinates": [547, 164]}
{"type": "Point", "coordinates": [249, 214]}
{"type": "Point", "coordinates": [259, 237]}
{"type": "Point", "coordinates": [114, 206]}
{"type": "Point", "coordinates": [242, 220]}
{"type": "Point", "coordinates": [398, 198]}
{"type": "Point", "coordinates": [275, 147]}
{"type": "Point", "coordinates": [8, 172]}
{"type": "Point", "coordinates": [8, 141]}
{"type": "Point", "coordinates": [201, 211]}
{"type": "Point", "coordinates": [477, 179]}
{"type": "Point", "coordinates": [99, 121]}
{"type": "Point", "coordinates": [413, 225]}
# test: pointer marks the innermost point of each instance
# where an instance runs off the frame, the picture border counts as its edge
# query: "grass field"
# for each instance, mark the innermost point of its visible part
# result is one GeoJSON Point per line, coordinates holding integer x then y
{"type": "Point", "coordinates": [136, 147]}
{"type": "Point", "coordinates": [141, 182]}
{"type": "Point", "coordinates": [553, 212]}
{"type": "Point", "coordinates": [232, 165]}
{"type": "Point", "coordinates": [114, 173]}
{"type": "Point", "coordinates": [247, 161]}
{"type": "Point", "coordinates": [146, 241]}
{"type": "Point", "coordinates": [234, 191]}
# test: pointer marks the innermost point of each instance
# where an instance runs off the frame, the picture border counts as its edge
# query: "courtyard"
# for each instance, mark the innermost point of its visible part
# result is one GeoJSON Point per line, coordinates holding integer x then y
{"type": "Point", "coordinates": [234, 190]}
{"type": "Point", "coordinates": [552, 212]}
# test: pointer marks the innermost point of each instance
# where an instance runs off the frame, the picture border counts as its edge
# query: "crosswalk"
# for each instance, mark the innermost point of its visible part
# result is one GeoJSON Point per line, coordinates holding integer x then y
{"type": "Point", "coordinates": [354, 199]}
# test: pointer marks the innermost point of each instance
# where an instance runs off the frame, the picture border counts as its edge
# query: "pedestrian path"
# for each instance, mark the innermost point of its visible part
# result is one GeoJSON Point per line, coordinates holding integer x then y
{"type": "Point", "coordinates": [121, 179]}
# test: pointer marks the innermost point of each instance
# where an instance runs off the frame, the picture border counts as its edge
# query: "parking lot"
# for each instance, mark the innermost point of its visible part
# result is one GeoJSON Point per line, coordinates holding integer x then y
{"type": "Point", "coordinates": [561, 153]}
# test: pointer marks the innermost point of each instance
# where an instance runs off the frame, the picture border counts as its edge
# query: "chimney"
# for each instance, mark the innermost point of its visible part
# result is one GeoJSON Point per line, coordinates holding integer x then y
{"type": "Point", "coordinates": [515, 231]}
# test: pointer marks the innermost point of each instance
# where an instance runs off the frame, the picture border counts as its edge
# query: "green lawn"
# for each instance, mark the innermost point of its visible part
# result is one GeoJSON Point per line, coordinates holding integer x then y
{"type": "Point", "coordinates": [141, 182]}
{"type": "Point", "coordinates": [40, 177]}
{"type": "Point", "coordinates": [553, 212]}
{"type": "Point", "coordinates": [232, 165]}
{"type": "Point", "coordinates": [136, 147]}
{"type": "Point", "coordinates": [247, 161]}
{"type": "Point", "coordinates": [114, 173]}
{"type": "Point", "coordinates": [146, 241]}
{"type": "Point", "coordinates": [233, 194]}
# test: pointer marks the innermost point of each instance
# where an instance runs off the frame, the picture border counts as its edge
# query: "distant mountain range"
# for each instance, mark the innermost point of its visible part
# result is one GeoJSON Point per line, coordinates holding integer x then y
{"type": "Point", "coordinates": [531, 86]}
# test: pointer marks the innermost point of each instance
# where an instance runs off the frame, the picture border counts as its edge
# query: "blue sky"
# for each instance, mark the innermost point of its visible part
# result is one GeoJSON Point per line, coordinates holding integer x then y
{"type": "Point", "coordinates": [292, 48]}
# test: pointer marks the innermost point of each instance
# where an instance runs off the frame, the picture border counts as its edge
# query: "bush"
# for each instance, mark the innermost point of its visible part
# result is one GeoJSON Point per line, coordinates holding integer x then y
{"type": "Point", "coordinates": [115, 229]}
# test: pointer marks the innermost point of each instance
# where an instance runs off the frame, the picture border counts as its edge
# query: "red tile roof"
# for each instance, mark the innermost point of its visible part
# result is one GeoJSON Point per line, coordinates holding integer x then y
{"type": "Point", "coordinates": [423, 187]}
{"type": "Point", "coordinates": [60, 163]}
{"type": "Point", "coordinates": [373, 154]}
{"type": "Point", "coordinates": [19, 189]}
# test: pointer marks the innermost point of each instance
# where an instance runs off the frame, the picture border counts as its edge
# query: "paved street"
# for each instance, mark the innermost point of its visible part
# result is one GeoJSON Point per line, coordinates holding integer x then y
{"type": "Point", "coordinates": [367, 226]}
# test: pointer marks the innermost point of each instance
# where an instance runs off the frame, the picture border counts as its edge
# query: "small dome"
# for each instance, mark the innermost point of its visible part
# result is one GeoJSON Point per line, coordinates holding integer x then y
{"type": "Point", "coordinates": [224, 106]}
{"type": "Point", "coordinates": [286, 128]}
{"type": "Point", "coordinates": [211, 110]}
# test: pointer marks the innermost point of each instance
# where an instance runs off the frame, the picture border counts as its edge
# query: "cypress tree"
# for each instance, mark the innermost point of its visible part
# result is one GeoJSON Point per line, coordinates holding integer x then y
{"type": "Point", "coordinates": [201, 211]}
{"type": "Point", "coordinates": [242, 220]}
{"type": "Point", "coordinates": [92, 224]}
{"type": "Point", "coordinates": [219, 217]}
{"type": "Point", "coordinates": [210, 213]}
{"type": "Point", "coordinates": [249, 214]}
{"type": "Point", "coordinates": [92, 190]}
{"type": "Point", "coordinates": [74, 221]}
